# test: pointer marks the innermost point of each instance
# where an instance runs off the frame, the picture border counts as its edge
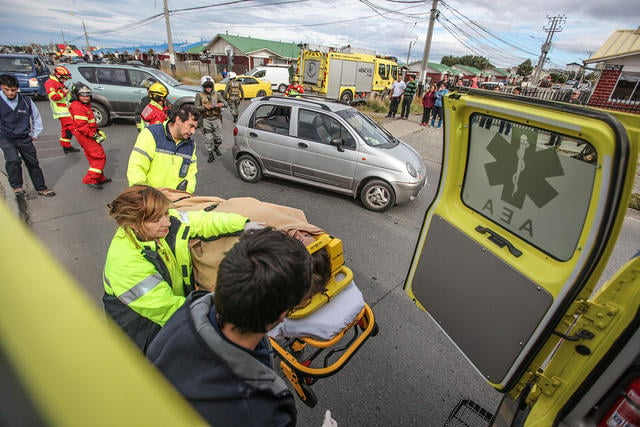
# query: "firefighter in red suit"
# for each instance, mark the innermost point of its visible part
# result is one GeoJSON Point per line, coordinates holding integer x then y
{"type": "Point", "coordinates": [156, 111]}
{"type": "Point", "coordinates": [89, 136]}
{"type": "Point", "coordinates": [295, 88]}
{"type": "Point", "coordinates": [59, 97]}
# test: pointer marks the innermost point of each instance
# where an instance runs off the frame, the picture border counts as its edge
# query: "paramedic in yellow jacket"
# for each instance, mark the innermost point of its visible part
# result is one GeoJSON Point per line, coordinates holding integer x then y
{"type": "Point", "coordinates": [164, 155]}
{"type": "Point", "coordinates": [147, 273]}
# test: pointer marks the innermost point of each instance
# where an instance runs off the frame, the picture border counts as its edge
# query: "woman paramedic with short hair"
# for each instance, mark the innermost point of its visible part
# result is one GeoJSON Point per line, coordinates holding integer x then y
{"type": "Point", "coordinates": [147, 273]}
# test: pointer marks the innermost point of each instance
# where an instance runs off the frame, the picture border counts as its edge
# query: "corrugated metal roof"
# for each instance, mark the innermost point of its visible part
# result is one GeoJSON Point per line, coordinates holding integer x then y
{"type": "Point", "coordinates": [469, 70]}
{"type": "Point", "coordinates": [248, 45]}
{"type": "Point", "coordinates": [620, 43]}
{"type": "Point", "coordinates": [441, 68]}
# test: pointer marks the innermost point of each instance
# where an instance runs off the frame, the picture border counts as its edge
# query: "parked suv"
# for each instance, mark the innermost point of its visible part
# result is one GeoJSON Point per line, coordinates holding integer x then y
{"type": "Point", "coordinates": [30, 70]}
{"type": "Point", "coordinates": [327, 144]}
{"type": "Point", "coordinates": [117, 89]}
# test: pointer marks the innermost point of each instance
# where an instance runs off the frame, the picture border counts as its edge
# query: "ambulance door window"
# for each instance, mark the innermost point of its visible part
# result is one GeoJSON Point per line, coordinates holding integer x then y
{"type": "Point", "coordinates": [532, 182]}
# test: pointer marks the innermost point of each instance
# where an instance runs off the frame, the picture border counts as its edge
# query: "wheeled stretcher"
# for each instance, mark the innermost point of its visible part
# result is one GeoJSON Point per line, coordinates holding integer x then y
{"type": "Point", "coordinates": [318, 340]}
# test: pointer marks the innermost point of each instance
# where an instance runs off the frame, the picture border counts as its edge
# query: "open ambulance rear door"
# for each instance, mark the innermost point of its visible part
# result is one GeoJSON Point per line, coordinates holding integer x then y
{"type": "Point", "coordinates": [531, 199]}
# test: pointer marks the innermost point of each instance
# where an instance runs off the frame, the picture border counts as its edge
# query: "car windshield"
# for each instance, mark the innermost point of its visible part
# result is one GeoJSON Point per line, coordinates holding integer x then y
{"type": "Point", "coordinates": [369, 131]}
{"type": "Point", "coordinates": [164, 77]}
{"type": "Point", "coordinates": [16, 65]}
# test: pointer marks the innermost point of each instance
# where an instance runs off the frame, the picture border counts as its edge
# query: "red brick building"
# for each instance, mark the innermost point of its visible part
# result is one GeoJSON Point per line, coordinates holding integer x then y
{"type": "Point", "coordinates": [618, 87]}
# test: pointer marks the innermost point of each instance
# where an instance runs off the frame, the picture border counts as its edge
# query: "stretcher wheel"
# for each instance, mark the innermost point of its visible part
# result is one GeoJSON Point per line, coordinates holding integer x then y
{"type": "Point", "coordinates": [311, 399]}
{"type": "Point", "coordinates": [375, 330]}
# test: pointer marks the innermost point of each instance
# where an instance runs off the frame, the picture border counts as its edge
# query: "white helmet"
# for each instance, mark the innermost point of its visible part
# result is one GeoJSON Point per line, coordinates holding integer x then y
{"type": "Point", "coordinates": [231, 75]}
{"type": "Point", "coordinates": [205, 79]}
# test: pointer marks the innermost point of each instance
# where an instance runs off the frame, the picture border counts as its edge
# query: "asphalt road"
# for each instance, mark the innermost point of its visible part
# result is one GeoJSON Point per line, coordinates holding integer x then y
{"type": "Point", "coordinates": [410, 374]}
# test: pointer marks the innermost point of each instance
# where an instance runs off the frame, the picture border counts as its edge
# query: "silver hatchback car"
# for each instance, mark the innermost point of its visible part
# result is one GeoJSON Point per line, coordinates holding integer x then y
{"type": "Point", "coordinates": [327, 144]}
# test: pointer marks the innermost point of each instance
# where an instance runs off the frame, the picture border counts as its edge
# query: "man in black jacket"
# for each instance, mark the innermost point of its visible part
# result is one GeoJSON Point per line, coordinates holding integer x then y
{"type": "Point", "coordinates": [214, 349]}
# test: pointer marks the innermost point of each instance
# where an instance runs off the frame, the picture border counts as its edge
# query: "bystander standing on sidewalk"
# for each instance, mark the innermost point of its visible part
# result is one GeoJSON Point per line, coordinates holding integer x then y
{"type": "Point", "coordinates": [396, 92]}
{"type": "Point", "coordinates": [409, 91]}
{"type": "Point", "coordinates": [428, 100]}
{"type": "Point", "coordinates": [20, 125]}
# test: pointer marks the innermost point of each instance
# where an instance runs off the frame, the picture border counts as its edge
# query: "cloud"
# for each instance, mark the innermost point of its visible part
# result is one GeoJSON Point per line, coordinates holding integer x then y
{"type": "Point", "coordinates": [471, 26]}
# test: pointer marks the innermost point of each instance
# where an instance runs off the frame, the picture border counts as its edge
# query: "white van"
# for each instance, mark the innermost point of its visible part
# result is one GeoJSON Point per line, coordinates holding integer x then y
{"type": "Point", "coordinates": [277, 75]}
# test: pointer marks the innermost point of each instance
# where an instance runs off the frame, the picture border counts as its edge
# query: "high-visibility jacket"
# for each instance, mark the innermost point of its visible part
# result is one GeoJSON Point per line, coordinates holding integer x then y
{"type": "Point", "coordinates": [157, 160]}
{"type": "Point", "coordinates": [153, 114]}
{"type": "Point", "coordinates": [146, 282]}
{"type": "Point", "coordinates": [293, 90]}
{"type": "Point", "coordinates": [57, 97]}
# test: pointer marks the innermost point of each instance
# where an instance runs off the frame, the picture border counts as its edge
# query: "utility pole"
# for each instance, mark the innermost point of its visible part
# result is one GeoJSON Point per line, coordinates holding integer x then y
{"type": "Point", "coordinates": [411, 43]}
{"type": "Point", "coordinates": [63, 40]}
{"type": "Point", "coordinates": [555, 27]}
{"type": "Point", "coordinates": [427, 43]}
{"type": "Point", "coordinates": [86, 37]}
{"type": "Point", "coordinates": [172, 55]}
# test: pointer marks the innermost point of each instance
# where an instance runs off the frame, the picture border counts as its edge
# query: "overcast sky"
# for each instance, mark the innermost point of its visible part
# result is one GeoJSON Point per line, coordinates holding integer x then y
{"type": "Point", "coordinates": [505, 31]}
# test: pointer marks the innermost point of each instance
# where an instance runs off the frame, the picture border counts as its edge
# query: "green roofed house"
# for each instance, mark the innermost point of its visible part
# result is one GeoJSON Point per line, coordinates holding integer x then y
{"type": "Point", "coordinates": [241, 54]}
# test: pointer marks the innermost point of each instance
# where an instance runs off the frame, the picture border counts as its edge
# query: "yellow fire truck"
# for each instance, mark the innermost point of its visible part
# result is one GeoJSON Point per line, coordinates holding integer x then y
{"type": "Point", "coordinates": [346, 75]}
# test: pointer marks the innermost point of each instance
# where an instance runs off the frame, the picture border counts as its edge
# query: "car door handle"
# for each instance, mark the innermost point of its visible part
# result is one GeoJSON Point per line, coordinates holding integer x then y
{"type": "Point", "coordinates": [499, 240]}
{"type": "Point", "coordinates": [253, 134]}
{"type": "Point", "coordinates": [302, 145]}
{"type": "Point", "coordinates": [140, 91]}
{"type": "Point", "coordinates": [98, 87]}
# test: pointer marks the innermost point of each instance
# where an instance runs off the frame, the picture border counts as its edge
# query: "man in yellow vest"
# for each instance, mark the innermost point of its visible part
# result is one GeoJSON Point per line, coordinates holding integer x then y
{"type": "Point", "coordinates": [164, 154]}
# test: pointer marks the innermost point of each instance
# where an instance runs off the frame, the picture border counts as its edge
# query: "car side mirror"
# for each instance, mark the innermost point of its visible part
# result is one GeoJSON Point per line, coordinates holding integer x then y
{"type": "Point", "coordinates": [338, 143]}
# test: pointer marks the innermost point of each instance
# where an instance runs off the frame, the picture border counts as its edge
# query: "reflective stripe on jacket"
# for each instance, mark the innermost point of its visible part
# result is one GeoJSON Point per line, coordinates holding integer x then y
{"type": "Point", "coordinates": [152, 278]}
{"type": "Point", "coordinates": [157, 160]}
{"type": "Point", "coordinates": [58, 99]}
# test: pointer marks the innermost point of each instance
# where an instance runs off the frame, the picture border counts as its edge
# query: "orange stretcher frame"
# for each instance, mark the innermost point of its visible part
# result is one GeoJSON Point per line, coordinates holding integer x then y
{"type": "Point", "coordinates": [298, 354]}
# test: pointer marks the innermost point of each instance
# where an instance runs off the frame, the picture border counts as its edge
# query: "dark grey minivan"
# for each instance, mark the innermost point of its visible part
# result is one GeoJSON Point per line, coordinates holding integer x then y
{"type": "Point", "coordinates": [30, 70]}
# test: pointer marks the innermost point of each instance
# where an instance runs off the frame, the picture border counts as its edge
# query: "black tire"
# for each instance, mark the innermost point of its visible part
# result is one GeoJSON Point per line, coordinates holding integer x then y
{"type": "Point", "coordinates": [347, 96]}
{"type": "Point", "coordinates": [312, 399]}
{"type": "Point", "coordinates": [282, 88]}
{"type": "Point", "coordinates": [101, 114]}
{"type": "Point", "coordinates": [261, 93]}
{"type": "Point", "coordinates": [249, 169]}
{"type": "Point", "coordinates": [377, 196]}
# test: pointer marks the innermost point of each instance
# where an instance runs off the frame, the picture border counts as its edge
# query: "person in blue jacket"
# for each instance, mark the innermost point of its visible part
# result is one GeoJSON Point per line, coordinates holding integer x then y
{"type": "Point", "coordinates": [437, 105]}
{"type": "Point", "coordinates": [214, 349]}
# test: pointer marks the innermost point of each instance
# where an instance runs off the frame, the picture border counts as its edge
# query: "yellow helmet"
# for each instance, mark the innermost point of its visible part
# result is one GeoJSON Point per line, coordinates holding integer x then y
{"type": "Point", "coordinates": [158, 89]}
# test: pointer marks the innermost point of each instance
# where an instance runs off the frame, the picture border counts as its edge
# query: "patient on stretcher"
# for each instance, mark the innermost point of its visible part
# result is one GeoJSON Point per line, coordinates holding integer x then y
{"type": "Point", "coordinates": [333, 301]}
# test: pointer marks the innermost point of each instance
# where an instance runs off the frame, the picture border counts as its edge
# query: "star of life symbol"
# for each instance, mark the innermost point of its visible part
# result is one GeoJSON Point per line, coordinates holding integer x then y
{"type": "Point", "coordinates": [522, 169]}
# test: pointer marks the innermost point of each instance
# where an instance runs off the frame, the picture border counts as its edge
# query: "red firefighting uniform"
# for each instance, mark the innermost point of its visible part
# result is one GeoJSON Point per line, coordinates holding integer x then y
{"type": "Point", "coordinates": [84, 129]}
{"type": "Point", "coordinates": [153, 114]}
{"type": "Point", "coordinates": [294, 89]}
{"type": "Point", "coordinates": [59, 99]}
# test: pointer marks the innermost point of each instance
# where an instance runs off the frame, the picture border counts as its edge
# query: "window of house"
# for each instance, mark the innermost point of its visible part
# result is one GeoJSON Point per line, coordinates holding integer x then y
{"type": "Point", "coordinates": [627, 89]}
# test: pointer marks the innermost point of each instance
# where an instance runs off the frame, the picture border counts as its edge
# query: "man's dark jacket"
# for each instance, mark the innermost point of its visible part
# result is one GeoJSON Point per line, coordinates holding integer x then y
{"type": "Point", "coordinates": [226, 384]}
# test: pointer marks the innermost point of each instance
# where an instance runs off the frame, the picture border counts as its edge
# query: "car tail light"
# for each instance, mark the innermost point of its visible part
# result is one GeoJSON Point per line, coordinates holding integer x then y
{"type": "Point", "coordinates": [33, 82]}
{"type": "Point", "coordinates": [235, 130]}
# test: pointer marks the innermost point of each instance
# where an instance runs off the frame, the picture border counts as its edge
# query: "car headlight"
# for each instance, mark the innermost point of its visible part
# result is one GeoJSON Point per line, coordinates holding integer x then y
{"type": "Point", "coordinates": [411, 170]}
{"type": "Point", "coordinates": [33, 82]}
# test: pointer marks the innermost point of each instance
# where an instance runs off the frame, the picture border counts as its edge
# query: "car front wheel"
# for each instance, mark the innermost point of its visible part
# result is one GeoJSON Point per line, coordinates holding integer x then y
{"type": "Point", "coordinates": [262, 93]}
{"type": "Point", "coordinates": [249, 169]}
{"type": "Point", "coordinates": [101, 114]}
{"type": "Point", "coordinates": [377, 196]}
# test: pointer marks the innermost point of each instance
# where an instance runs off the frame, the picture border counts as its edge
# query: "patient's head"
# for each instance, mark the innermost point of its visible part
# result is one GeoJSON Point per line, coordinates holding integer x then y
{"type": "Point", "coordinates": [321, 268]}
